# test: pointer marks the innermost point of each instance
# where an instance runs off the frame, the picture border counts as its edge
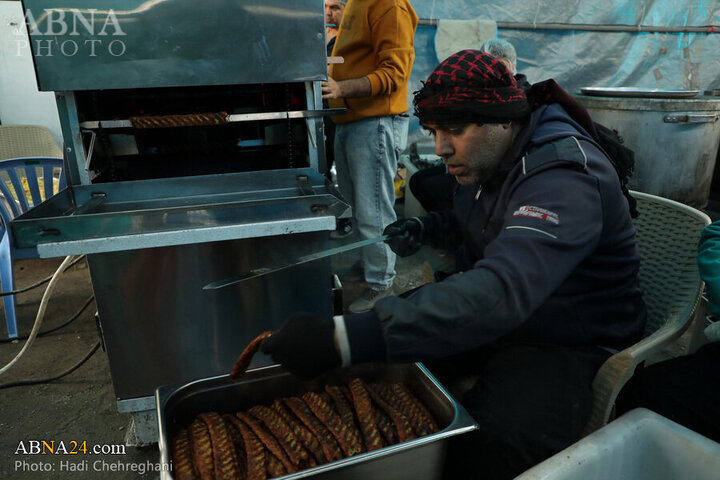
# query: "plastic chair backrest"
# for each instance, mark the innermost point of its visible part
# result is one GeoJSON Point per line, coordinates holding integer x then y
{"type": "Point", "coordinates": [667, 237]}
{"type": "Point", "coordinates": [20, 184]}
{"type": "Point", "coordinates": [24, 183]}
{"type": "Point", "coordinates": [22, 141]}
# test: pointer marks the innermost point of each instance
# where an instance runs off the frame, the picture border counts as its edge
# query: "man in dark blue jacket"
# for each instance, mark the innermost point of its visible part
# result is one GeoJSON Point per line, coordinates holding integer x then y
{"type": "Point", "coordinates": [546, 286]}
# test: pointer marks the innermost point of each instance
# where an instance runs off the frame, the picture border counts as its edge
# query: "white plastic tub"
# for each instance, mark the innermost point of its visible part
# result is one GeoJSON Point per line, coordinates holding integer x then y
{"type": "Point", "coordinates": [639, 445]}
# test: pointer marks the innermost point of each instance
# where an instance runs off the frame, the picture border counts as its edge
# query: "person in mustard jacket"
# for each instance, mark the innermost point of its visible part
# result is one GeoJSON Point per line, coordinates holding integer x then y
{"type": "Point", "coordinates": [375, 39]}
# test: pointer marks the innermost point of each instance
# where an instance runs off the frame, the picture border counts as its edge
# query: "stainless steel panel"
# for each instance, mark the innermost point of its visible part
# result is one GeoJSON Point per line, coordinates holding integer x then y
{"type": "Point", "coordinates": [137, 405]}
{"type": "Point", "coordinates": [183, 236]}
{"type": "Point", "coordinates": [151, 213]}
{"type": "Point", "coordinates": [86, 45]}
{"type": "Point", "coordinates": [161, 328]}
{"type": "Point", "coordinates": [419, 459]}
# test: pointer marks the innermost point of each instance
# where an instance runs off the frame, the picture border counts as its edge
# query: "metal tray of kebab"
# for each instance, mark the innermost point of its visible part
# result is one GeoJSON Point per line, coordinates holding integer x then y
{"type": "Point", "coordinates": [419, 458]}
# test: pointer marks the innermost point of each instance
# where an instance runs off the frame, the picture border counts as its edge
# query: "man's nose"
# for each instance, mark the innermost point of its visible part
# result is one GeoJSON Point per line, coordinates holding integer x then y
{"type": "Point", "coordinates": [443, 146]}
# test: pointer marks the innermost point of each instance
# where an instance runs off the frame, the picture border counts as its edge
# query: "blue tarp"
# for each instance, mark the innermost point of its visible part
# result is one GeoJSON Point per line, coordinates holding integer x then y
{"type": "Point", "coordinates": [578, 58]}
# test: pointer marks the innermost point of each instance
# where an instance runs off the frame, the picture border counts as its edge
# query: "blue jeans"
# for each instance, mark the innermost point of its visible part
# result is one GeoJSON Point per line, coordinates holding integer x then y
{"type": "Point", "coordinates": [366, 156]}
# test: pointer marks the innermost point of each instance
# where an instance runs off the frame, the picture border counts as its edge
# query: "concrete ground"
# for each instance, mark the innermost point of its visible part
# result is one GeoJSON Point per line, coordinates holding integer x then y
{"type": "Point", "coordinates": [74, 409]}
{"type": "Point", "coordinates": [80, 409]}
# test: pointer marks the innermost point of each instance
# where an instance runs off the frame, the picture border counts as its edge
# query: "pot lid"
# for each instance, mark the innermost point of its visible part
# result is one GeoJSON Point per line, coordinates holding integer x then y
{"type": "Point", "coordinates": [636, 92]}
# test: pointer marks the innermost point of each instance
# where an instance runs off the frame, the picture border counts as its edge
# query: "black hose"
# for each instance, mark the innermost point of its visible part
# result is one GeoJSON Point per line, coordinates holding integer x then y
{"type": "Point", "coordinates": [33, 381]}
{"type": "Point", "coordinates": [41, 282]}
{"type": "Point", "coordinates": [68, 322]}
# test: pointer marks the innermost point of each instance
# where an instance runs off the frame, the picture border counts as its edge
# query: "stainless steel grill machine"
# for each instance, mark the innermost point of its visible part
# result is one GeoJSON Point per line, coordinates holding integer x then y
{"type": "Point", "coordinates": [193, 142]}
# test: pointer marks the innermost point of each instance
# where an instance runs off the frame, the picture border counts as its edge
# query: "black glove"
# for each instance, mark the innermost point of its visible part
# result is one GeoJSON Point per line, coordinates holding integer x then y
{"type": "Point", "coordinates": [406, 236]}
{"type": "Point", "coordinates": [305, 345]}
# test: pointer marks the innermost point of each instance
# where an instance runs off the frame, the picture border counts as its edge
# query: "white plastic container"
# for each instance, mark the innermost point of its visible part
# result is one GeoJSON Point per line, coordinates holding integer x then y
{"type": "Point", "coordinates": [639, 445]}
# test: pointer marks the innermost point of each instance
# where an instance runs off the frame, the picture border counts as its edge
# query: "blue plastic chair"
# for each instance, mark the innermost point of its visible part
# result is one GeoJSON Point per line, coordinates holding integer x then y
{"type": "Point", "coordinates": [15, 201]}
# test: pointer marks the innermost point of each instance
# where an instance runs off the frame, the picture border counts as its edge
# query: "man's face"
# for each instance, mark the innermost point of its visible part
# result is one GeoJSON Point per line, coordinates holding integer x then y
{"type": "Point", "coordinates": [333, 12]}
{"type": "Point", "coordinates": [472, 152]}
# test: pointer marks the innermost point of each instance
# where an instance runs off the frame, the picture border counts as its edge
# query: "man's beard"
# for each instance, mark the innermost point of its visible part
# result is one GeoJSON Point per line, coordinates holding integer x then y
{"type": "Point", "coordinates": [484, 160]}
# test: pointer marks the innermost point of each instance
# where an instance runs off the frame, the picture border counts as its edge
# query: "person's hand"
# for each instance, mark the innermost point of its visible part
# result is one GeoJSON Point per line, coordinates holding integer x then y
{"type": "Point", "coordinates": [406, 236]}
{"type": "Point", "coordinates": [305, 345]}
{"type": "Point", "coordinates": [330, 89]}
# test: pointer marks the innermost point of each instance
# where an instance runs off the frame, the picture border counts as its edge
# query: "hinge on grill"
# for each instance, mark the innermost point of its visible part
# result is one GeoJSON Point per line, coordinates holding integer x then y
{"type": "Point", "coordinates": [304, 185]}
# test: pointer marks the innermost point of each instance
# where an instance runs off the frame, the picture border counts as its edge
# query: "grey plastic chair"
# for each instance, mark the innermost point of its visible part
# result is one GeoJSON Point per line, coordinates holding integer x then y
{"type": "Point", "coordinates": [22, 141]}
{"type": "Point", "coordinates": [667, 237]}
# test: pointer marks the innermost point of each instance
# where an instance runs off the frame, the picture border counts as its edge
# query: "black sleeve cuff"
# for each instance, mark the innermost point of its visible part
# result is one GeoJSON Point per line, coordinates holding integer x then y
{"type": "Point", "coordinates": [365, 337]}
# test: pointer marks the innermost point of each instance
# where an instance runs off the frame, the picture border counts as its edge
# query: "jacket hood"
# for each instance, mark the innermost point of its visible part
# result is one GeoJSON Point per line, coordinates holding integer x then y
{"type": "Point", "coordinates": [553, 123]}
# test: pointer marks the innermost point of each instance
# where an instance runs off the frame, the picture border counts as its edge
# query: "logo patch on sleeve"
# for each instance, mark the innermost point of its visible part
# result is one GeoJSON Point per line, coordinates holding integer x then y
{"type": "Point", "coordinates": [538, 213]}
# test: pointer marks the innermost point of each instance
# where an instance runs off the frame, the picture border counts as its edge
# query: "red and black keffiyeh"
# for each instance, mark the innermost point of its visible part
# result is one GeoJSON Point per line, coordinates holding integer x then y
{"type": "Point", "coordinates": [470, 86]}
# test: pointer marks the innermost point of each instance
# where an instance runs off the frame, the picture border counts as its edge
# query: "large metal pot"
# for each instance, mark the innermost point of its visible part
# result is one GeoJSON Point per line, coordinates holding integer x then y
{"type": "Point", "coordinates": [675, 140]}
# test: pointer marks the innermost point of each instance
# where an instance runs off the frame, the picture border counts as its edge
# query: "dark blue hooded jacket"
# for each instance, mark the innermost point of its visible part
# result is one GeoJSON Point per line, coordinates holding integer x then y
{"type": "Point", "coordinates": [548, 255]}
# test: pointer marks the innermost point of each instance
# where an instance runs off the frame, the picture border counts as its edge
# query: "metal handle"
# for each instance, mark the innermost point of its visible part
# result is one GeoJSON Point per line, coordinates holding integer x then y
{"type": "Point", "coordinates": [691, 117]}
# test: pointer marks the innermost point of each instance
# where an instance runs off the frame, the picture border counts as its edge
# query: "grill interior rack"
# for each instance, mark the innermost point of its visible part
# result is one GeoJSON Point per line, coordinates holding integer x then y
{"type": "Point", "coordinates": [193, 151]}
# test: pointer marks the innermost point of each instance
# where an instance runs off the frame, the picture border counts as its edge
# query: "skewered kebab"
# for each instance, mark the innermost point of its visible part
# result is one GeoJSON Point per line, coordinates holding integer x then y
{"type": "Point", "coordinates": [309, 441]}
{"type": "Point", "coordinates": [365, 414]}
{"type": "Point", "coordinates": [255, 457]}
{"type": "Point", "coordinates": [243, 361]}
{"type": "Point", "coordinates": [201, 449]}
{"type": "Point", "coordinates": [225, 463]}
{"type": "Point", "coordinates": [306, 416]}
{"type": "Point", "coordinates": [296, 453]}
{"type": "Point", "coordinates": [182, 457]}
{"type": "Point", "coordinates": [267, 439]}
